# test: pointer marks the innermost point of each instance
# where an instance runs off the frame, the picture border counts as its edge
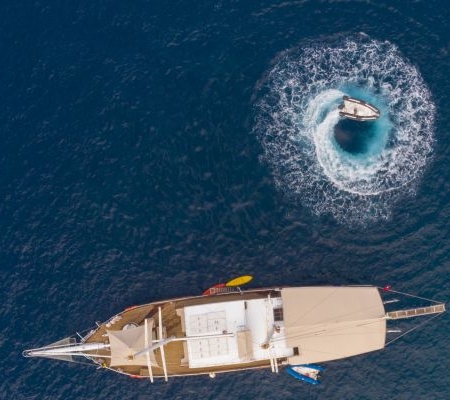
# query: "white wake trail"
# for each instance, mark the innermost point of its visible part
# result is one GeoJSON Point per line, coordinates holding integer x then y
{"type": "Point", "coordinates": [297, 117]}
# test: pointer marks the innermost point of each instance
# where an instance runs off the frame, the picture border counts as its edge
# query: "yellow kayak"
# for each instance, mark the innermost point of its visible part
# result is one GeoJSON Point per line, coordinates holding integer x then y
{"type": "Point", "coordinates": [240, 280]}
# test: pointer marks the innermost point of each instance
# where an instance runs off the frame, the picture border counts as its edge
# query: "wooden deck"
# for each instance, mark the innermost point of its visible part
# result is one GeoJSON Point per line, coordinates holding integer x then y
{"type": "Point", "coordinates": [175, 353]}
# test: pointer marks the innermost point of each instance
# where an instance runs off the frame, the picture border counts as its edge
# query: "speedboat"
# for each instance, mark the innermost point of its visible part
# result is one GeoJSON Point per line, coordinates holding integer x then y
{"type": "Point", "coordinates": [309, 373]}
{"type": "Point", "coordinates": [358, 110]}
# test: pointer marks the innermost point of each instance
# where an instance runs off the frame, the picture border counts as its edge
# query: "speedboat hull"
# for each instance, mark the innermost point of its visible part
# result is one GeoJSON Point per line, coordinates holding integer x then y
{"type": "Point", "coordinates": [358, 110]}
{"type": "Point", "coordinates": [307, 373]}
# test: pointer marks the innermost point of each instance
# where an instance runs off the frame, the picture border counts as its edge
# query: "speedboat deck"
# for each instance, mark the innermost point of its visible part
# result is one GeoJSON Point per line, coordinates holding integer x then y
{"type": "Point", "coordinates": [358, 110]}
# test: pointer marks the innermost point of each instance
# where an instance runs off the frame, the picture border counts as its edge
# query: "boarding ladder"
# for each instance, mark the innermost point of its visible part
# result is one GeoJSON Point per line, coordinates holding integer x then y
{"type": "Point", "coordinates": [227, 289]}
{"type": "Point", "coordinates": [416, 312]}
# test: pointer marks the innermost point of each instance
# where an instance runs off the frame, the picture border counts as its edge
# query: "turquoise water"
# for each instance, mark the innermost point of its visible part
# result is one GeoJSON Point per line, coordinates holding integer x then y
{"type": "Point", "coordinates": [150, 150]}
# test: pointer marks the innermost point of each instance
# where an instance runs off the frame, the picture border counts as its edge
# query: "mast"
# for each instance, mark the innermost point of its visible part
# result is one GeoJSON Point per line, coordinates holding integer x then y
{"type": "Point", "coordinates": [147, 354]}
{"type": "Point", "coordinates": [69, 350]}
{"type": "Point", "coordinates": [161, 349]}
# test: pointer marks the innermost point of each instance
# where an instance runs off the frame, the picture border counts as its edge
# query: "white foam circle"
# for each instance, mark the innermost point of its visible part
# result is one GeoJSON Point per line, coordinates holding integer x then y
{"type": "Point", "coordinates": [297, 116]}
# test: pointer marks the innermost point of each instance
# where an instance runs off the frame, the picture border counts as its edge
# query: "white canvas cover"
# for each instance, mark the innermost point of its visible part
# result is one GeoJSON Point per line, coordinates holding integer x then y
{"type": "Point", "coordinates": [328, 323]}
{"type": "Point", "coordinates": [124, 344]}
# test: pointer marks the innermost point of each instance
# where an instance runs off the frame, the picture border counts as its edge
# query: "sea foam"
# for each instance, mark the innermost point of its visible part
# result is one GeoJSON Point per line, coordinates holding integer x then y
{"type": "Point", "coordinates": [297, 118]}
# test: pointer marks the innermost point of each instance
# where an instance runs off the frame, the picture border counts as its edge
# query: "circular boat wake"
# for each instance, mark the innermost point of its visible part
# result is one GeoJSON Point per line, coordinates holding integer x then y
{"type": "Point", "coordinates": [354, 171]}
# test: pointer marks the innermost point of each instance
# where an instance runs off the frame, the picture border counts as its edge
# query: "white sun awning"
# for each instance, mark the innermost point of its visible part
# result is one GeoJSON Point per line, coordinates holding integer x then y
{"type": "Point", "coordinates": [328, 323]}
{"type": "Point", "coordinates": [124, 344]}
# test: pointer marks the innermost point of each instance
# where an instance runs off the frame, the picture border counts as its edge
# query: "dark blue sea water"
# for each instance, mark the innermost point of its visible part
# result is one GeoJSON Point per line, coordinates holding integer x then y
{"type": "Point", "coordinates": [150, 149]}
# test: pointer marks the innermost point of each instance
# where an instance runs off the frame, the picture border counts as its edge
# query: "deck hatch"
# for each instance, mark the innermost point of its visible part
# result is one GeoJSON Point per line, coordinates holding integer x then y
{"type": "Point", "coordinates": [278, 314]}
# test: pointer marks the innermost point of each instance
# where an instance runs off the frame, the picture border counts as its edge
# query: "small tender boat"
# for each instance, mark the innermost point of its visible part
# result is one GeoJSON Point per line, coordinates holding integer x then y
{"type": "Point", "coordinates": [309, 373]}
{"type": "Point", "coordinates": [358, 110]}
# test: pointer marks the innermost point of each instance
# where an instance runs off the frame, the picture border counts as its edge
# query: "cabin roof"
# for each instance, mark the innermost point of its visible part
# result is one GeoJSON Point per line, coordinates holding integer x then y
{"type": "Point", "coordinates": [250, 322]}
